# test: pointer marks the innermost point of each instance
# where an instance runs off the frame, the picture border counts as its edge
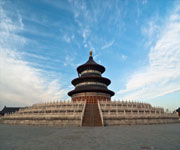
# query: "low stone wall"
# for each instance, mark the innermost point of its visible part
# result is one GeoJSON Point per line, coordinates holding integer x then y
{"type": "Point", "coordinates": [114, 122]}
{"type": "Point", "coordinates": [43, 122]}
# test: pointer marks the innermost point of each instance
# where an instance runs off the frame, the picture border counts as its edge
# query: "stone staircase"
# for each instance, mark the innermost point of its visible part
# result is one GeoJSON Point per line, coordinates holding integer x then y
{"type": "Point", "coordinates": [92, 116]}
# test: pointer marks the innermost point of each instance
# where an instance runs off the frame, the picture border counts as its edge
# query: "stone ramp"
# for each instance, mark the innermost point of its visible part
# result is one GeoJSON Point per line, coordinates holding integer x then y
{"type": "Point", "coordinates": [92, 116]}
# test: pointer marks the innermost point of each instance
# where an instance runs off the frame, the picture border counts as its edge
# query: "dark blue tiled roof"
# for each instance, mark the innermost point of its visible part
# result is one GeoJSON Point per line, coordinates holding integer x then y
{"type": "Point", "coordinates": [178, 110]}
{"type": "Point", "coordinates": [7, 110]}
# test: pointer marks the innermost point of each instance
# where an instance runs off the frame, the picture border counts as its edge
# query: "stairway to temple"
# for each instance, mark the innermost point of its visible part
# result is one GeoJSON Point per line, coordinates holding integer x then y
{"type": "Point", "coordinates": [92, 116]}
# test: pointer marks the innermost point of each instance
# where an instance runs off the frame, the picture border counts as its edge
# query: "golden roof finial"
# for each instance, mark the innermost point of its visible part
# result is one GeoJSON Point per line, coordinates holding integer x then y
{"type": "Point", "coordinates": [90, 53]}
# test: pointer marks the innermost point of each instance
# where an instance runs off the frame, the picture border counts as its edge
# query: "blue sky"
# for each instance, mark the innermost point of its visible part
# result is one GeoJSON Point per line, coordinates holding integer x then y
{"type": "Point", "coordinates": [42, 43]}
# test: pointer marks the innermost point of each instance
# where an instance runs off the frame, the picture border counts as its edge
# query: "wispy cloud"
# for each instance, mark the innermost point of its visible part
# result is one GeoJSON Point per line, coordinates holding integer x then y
{"type": "Point", "coordinates": [68, 38]}
{"type": "Point", "coordinates": [162, 75]}
{"type": "Point", "coordinates": [85, 33]}
{"type": "Point", "coordinates": [69, 60]}
{"type": "Point", "coordinates": [34, 55]}
{"type": "Point", "coordinates": [124, 57]}
{"type": "Point", "coordinates": [151, 30]}
{"type": "Point", "coordinates": [83, 18]}
{"type": "Point", "coordinates": [58, 4]}
{"type": "Point", "coordinates": [20, 83]}
{"type": "Point", "coordinates": [144, 2]}
{"type": "Point", "coordinates": [107, 45]}
{"type": "Point", "coordinates": [92, 19]}
{"type": "Point", "coordinates": [24, 84]}
{"type": "Point", "coordinates": [9, 30]}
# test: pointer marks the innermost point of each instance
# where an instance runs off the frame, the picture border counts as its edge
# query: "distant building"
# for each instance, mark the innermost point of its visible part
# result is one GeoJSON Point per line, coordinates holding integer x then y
{"type": "Point", "coordinates": [178, 110]}
{"type": "Point", "coordinates": [8, 110]}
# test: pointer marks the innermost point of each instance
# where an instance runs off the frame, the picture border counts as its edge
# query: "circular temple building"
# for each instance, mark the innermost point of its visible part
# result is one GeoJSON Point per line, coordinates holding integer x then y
{"type": "Point", "coordinates": [90, 86]}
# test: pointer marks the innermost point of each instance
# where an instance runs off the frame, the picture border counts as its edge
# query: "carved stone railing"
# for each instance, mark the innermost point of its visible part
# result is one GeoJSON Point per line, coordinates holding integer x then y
{"type": "Point", "coordinates": [101, 115]}
{"type": "Point", "coordinates": [83, 113]}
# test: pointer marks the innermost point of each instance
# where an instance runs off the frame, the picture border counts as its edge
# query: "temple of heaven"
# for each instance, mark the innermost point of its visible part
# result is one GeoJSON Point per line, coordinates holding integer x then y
{"type": "Point", "coordinates": [90, 85]}
{"type": "Point", "coordinates": [90, 105]}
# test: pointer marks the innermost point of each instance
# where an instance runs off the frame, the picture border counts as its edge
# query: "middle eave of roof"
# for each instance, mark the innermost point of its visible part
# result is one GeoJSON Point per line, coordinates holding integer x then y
{"type": "Point", "coordinates": [91, 78]}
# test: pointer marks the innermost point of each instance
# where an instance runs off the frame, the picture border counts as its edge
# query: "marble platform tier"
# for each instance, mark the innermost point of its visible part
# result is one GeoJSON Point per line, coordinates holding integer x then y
{"type": "Point", "coordinates": [132, 113]}
{"type": "Point", "coordinates": [52, 114]}
{"type": "Point", "coordinates": [72, 113]}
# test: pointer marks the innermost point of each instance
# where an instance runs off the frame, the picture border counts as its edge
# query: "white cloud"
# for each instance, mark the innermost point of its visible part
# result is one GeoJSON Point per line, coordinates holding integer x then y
{"type": "Point", "coordinates": [72, 36]}
{"type": "Point", "coordinates": [124, 57]}
{"type": "Point", "coordinates": [58, 4]}
{"type": "Point", "coordinates": [151, 30]}
{"type": "Point", "coordinates": [107, 45]}
{"type": "Point", "coordinates": [9, 31]}
{"type": "Point", "coordinates": [67, 39]}
{"type": "Point", "coordinates": [85, 33]}
{"type": "Point", "coordinates": [144, 2]}
{"type": "Point", "coordinates": [83, 17]}
{"type": "Point", "coordinates": [21, 84]}
{"type": "Point", "coordinates": [34, 55]}
{"type": "Point", "coordinates": [162, 75]}
{"type": "Point", "coordinates": [69, 61]}
{"type": "Point", "coordinates": [85, 45]}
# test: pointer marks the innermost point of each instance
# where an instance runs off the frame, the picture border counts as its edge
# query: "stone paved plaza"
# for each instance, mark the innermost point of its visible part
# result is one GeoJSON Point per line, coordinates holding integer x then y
{"type": "Point", "coordinates": [138, 137]}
